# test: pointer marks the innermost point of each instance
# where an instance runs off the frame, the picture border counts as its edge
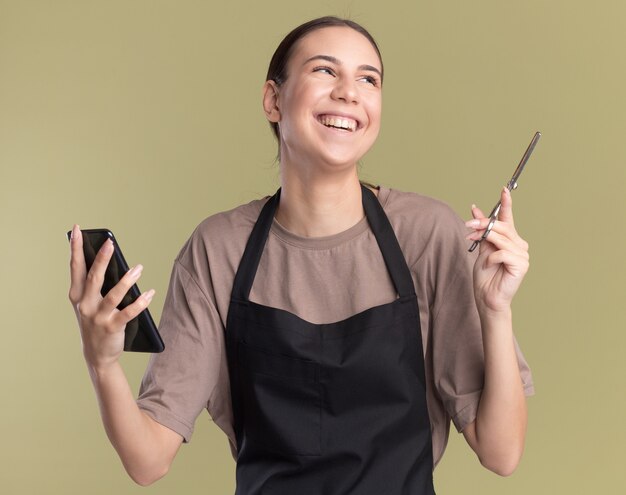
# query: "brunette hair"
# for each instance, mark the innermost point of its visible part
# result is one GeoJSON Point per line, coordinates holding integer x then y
{"type": "Point", "coordinates": [277, 70]}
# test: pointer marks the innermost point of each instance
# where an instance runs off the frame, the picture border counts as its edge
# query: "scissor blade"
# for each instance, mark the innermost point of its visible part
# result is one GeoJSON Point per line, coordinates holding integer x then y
{"type": "Point", "coordinates": [518, 171]}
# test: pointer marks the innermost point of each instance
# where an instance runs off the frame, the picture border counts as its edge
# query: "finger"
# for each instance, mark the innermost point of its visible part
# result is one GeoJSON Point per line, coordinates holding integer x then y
{"type": "Point", "coordinates": [477, 212]}
{"type": "Point", "coordinates": [481, 224]}
{"type": "Point", "coordinates": [95, 277]}
{"type": "Point", "coordinates": [132, 310]}
{"type": "Point", "coordinates": [514, 264]}
{"type": "Point", "coordinates": [78, 269]}
{"type": "Point", "coordinates": [478, 223]}
{"type": "Point", "coordinates": [507, 229]}
{"type": "Point", "coordinates": [503, 242]}
{"type": "Point", "coordinates": [498, 226]}
{"type": "Point", "coordinates": [506, 211]}
{"type": "Point", "coordinates": [117, 293]}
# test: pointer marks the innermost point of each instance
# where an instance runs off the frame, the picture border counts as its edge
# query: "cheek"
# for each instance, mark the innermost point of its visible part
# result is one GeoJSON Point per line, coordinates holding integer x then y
{"type": "Point", "coordinates": [375, 113]}
{"type": "Point", "coordinates": [294, 107]}
{"type": "Point", "coordinates": [372, 101]}
{"type": "Point", "coordinates": [300, 92]}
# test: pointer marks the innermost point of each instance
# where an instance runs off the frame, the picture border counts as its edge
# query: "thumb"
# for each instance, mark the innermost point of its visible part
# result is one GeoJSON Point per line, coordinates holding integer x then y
{"type": "Point", "coordinates": [506, 209]}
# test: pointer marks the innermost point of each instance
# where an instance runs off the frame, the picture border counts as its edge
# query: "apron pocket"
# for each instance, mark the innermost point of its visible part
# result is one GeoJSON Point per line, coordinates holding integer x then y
{"type": "Point", "coordinates": [281, 401]}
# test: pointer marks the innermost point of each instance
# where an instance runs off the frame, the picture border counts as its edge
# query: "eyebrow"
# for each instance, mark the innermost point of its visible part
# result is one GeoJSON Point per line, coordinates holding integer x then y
{"type": "Point", "coordinates": [336, 61]}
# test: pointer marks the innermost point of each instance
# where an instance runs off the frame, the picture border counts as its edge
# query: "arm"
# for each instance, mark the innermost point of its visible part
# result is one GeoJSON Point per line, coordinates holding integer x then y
{"type": "Point", "coordinates": [145, 447]}
{"type": "Point", "coordinates": [497, 435]}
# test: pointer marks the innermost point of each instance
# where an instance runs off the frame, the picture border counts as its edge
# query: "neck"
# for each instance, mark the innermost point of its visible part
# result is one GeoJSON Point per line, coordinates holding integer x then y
{"type": "Point", "coordinates": [319, 205]}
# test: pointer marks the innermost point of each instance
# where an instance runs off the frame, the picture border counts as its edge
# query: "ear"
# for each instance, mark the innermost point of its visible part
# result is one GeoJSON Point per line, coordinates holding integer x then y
{"type": "Point", "coordinates": [270, 101]}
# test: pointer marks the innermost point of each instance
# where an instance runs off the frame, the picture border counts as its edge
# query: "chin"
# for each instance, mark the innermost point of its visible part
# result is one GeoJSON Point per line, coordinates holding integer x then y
{"type": "Point", "coordinates": [340, 161]}
{"type": "Point", "coordinates": [340, 157]}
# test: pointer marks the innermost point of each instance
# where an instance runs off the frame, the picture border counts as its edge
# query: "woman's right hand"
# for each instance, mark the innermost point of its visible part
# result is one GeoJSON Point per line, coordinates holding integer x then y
{"type": "Point", "coordinates": [101, 324]}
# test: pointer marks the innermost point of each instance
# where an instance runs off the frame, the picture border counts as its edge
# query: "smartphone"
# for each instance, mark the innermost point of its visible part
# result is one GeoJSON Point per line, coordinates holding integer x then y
{"type": "Point", "coordinates": [141, 334]}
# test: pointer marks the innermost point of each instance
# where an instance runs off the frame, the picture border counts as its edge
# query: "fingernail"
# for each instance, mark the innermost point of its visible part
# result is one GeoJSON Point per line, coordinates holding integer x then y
{"type": "Point", "coordinates": [472, 223]}
{"type": "Point", "coordinates": [473, 206]}
{"type": "Point", "coordinates": [75, 230]}
{"type": "Point", "coordinates": [149, 295]}
{"type": "Point", "coordinates": [136, 270]}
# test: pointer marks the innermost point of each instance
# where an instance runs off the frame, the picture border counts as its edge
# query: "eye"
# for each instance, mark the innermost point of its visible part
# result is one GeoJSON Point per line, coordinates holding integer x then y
{"type": "Point", "coordinates": [370, 80]}
{"type": "Point", "coordinates": [324, 70]}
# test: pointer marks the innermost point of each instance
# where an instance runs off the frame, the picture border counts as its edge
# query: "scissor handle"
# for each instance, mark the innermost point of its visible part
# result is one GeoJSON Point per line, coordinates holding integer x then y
{"type": "Point", "coordinates": [493, 216]}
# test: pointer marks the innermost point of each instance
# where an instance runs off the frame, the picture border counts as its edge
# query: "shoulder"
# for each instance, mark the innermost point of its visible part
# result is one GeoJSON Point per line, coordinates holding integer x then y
{"type": "Point", "coordinates": [423, 225]}
{"type": "Point", "coordinates": [229, 222]}
{"type": "Point", "coordinates": [414, 207]}
{"type": "Point", "coordinates": [221, 237]}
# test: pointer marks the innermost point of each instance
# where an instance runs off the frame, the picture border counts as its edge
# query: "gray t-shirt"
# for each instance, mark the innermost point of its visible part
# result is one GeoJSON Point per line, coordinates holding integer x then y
{"type": "Point", "coordinates": [322, 280]}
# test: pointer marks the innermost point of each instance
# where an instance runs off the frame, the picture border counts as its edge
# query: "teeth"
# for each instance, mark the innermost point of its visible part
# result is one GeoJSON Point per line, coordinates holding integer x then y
{"type": "Point", "coordinates": [338, 122]}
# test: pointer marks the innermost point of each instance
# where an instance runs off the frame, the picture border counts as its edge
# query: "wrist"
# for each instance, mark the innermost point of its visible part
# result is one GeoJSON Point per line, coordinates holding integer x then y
{"type": "Point", "coordinates": [100, 372]}
{"type": "Point", "coordinates": [101, 358]}
{"type": "Point", "coordinates": [495, 316]}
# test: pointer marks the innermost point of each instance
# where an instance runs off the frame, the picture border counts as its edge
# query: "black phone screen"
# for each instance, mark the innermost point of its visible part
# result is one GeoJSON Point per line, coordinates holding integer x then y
{"type": "Point", "coordinates": [141, 334]}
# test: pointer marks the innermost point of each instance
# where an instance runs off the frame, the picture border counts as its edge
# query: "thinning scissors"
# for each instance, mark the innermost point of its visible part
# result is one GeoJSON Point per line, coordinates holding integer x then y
{"type": "Point", "coordinates": [512, 184]}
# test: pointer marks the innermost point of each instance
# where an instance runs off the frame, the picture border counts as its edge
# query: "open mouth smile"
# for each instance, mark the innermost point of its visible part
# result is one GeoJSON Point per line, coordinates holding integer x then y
{"type": "Point", "coordinates": [338, 122]}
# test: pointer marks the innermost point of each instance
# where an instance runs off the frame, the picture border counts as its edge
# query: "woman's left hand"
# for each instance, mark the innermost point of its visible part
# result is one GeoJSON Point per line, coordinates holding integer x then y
{"type": "Point", "coordinates": [502, 260]}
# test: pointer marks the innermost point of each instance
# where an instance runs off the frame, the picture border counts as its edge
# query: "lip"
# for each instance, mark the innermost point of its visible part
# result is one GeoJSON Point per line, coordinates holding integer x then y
{"type": "Point", "coordinates": [331, 113]}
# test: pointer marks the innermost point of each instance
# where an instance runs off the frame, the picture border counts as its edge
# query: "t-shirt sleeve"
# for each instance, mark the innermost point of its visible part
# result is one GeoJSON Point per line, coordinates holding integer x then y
{"type": "Point", "coordinates": [458, 357]}
{"type": "Point", "coordinates": [180, 381]}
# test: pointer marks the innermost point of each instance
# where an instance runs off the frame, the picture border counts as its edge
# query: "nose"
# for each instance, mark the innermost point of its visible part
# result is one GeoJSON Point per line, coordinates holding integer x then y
{"type": "Point", "coordinates": [345, 90]}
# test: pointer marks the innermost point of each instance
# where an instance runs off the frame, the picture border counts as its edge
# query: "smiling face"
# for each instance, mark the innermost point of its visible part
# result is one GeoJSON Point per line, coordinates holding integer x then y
{"type": "Point", "coordinates": [328, 109]}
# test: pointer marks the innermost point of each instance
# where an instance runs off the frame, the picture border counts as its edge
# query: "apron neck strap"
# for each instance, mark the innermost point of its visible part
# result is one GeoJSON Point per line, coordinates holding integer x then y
{"type": "Point", "coordinates": [388, 244]}
{"type": "Point", "coordinates": [379, 223]}
{"type": "Point", "coordinates": [254, 249]}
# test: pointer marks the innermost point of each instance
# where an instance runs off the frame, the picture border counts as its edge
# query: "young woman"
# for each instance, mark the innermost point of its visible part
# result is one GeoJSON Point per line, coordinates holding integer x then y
{"type": "Point", "coordinates": [333, 330]}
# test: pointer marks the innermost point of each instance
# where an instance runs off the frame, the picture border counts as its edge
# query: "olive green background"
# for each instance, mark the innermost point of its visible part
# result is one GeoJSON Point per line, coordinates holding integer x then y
{"type": "Point", "coordinates": [145, 117]}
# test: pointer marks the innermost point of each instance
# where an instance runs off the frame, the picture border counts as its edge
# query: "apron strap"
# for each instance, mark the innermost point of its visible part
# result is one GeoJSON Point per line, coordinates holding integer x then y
{"type": "Point", "coordinates": [254, 249]}
{"type": "Point", "coordinates": [379, 223]}
{"type": "Point", "coordinates": [388, 244]}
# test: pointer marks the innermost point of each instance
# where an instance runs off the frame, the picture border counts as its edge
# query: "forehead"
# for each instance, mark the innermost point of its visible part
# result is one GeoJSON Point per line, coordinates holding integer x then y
{"type": "Point", "coordinates": [342, 42]}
